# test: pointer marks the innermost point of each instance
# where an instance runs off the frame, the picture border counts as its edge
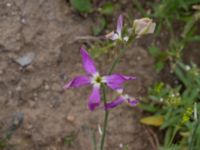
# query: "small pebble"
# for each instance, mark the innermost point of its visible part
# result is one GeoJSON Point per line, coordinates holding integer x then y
{"type": "Point", "coordinates": [8, 4]}
{"type": "Point", "coordinates": [18, 88]}
{"type": "Point", "coordinates": [30, 68]}
{"type": "Point", "coordinates": [121, 145]}
{"type": "Point", "coordinates": [26, 59]}
{"type": "Point", "coordinates": [138, 58]}
{"type": "Point", "coordinates": [23, 20]}
{"type": "Point", "coordinates": [70, 118]}
{"type": "Point", "coordinates": [46, 87]}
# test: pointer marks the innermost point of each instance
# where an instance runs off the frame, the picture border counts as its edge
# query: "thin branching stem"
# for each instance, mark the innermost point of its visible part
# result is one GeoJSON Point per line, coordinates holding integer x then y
{"type": "Point", "coordinates": [116, 61]}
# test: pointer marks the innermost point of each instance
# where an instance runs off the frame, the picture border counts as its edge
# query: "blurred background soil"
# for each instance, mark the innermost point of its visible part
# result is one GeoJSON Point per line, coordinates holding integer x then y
{"type": "Point", "coordinates": [38, 54]}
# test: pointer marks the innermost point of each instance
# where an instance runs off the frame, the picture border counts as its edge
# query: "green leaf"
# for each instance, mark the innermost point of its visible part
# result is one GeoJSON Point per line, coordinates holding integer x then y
{"type": "Point", "coordinates": [83, 6]}
{"type": "Point", "coordinates": [148, 107]}
{"type": "Point", "coordinates": [179, 73]}
{"type": "Point", "coordinates": [171, 121]}
{"type": "Point", "coordinates": [154, 51]}
{"type": "Point", "coordinates": [168, 136]}
{"type": "Point", "coordinates": [107, 8]}
{"type": "Point", "coordinates": [188, 27]}
{"type": "Point", "coordinates": [159, 66]}
{"type": "Point", "coordinates": [97, 29]}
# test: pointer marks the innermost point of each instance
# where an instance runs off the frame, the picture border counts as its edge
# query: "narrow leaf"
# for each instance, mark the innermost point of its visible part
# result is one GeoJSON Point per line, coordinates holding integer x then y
{"type": "Point", "coordinates": [153, 120]}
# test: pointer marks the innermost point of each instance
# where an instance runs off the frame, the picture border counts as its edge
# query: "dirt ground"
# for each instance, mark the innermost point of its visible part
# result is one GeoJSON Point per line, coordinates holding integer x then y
{"type": "Point", "coordinates": [33, 105]}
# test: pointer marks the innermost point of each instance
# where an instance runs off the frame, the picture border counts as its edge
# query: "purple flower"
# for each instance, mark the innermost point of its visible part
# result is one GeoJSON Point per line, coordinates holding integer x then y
{"type": "Point", "coordinates": [93, 78]}
{"type": "Point", "coordinates": [117, 35]}
{"type": "Point", "coordinates": [120, 99]}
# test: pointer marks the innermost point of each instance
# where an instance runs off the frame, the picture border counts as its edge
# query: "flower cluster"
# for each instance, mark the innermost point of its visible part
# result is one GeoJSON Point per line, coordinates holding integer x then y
{"type": "Point", "coordinates": [113, 81]}
{"type": "Point", "coordinates": [140, 27]}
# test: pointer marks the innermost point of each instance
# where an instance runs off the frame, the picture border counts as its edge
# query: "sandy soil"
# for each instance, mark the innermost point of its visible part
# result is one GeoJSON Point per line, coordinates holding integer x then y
{"type": "Point", "coordinates": [33, 105]}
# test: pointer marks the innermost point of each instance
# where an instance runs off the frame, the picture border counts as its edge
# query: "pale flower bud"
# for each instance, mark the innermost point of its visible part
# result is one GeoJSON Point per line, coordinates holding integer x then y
{"type": "Point", "coordinates": [143, 26]}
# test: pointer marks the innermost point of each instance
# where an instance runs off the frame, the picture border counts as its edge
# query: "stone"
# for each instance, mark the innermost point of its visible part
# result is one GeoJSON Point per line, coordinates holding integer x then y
{"type": "Point", "coordinates": [26, 59]}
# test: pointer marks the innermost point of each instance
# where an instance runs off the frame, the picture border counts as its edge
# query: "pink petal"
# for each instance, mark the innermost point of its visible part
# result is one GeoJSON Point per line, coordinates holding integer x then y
{"type": "Point", "coordinates": [115, 81]}
{"type": "Point", "coordinates": [119, 24]}
{"type": "Point", "coordinates": [114, 103]}
{"type": "Point", "coordinates": [94, 99]}
{"type": "Point", "coordinates": [88, 63]}
{"type": "Point", "coordinates": [78, 81]}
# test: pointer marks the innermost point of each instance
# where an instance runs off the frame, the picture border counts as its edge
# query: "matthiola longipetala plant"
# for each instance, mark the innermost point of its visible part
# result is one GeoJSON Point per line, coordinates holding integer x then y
{"type": "Point", "coordinates": [140, 27]}
{"type": "Point", "coordinates": [114, 81]}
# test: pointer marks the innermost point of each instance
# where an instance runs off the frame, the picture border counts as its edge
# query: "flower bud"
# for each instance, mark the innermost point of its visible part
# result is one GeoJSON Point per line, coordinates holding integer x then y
{"type": "Point", "coordinates": [143, 26]}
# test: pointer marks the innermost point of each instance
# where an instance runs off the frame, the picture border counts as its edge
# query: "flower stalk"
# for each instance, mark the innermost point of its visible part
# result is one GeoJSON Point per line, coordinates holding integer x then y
{"type": "Point", "coordinates": [112, 81]}
{"type": "Point", "coordinates": [106, 114]}
{"type": "Point", "coordinates": [116, 61]}
{"type": "Point", "coordinates": [114, 64]}
{"type": "Point", "coordinates": [105, 119]}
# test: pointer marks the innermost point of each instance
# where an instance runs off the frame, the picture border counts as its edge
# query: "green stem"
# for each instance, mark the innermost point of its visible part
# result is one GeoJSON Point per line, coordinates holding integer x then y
{"type": "Point", "coordinates": [105, 120]}
{"type": "Point", "coordinates": [94, 139]}
{"type": "Point", "coordinates": [173, 135]}
{"type": "Point", "coordinates": [191, 144]}
{"type": "Point", "coordinates": [116, 61]}
{"type": "Point", "coordinates": [105, 100]}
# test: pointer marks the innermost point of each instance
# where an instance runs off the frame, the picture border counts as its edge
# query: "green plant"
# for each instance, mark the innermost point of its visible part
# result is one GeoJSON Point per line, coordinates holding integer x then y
{"type": "Point", "coordinates": [83, 6]}
{"type": "Point", "coordinates": [179, 107]}
{"type": "Point", "coordinates": [178, 104]}
{"type": "Point", "coordinates": [3, 143]}
{"type": "Point", "coordinates": [70, 139]}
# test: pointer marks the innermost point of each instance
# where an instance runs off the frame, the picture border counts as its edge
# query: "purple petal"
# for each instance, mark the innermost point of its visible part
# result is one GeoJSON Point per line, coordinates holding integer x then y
{"type": "Point", "coordinates": [94, 99]}
{"type": "Point", "coordinates": [114, 103]}
{"type": "Point", "coordinates": [88, 63]}
{"type": "Point", "coordinates": [119, 24]}
{"type": "Point", "coordinates": [78, 81]}
{"type": "Point", "coordinates": [115, 81]}
{"type": "Point", "coordinates": [133, 102]}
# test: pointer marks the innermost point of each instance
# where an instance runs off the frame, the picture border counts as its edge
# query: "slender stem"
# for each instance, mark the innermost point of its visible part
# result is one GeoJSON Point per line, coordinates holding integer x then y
{"type": "Point", "coordinates": [191, 144]}
{"type": "Point", "coordinates": [94, 139]}
{"type": "Point", "coordinates": [173, 135]}
{"type": "Point", "coordinates": [105, 120]}
{"type": "Point", "coordinates": [116, 61]}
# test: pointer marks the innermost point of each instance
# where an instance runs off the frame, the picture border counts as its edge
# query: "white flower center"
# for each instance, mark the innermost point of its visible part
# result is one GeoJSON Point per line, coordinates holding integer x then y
{"type": "Point", "coordinates": [126, 97]}
{"type": "Point", "coordinates": [120, 91]}
{"type": "Point", "coordinates": [97, 80]}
